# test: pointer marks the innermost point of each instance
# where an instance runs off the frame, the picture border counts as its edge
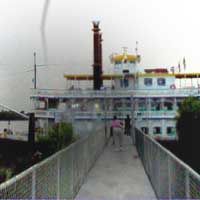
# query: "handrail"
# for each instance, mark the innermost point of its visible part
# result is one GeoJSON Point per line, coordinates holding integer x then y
{"type": "Point", "coordinates": [103, 93]}
{"type": "Point", "coordinates": [170, 154]}
{"type": "Point", "coordinates": [170, 177]}
{"type": "Point", "coordinates": [61, 175]}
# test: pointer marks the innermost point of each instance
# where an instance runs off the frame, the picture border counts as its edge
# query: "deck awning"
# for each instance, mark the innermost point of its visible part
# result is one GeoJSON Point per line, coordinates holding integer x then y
{"type": "Point", "coordinates": [114, 76]}
{"type": "Point", "coordinates": [90, 77]}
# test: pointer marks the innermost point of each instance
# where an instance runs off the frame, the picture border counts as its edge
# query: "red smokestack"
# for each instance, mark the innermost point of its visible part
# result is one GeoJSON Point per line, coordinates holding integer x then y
{"type": "Point", "coordinates": [97, 62]}
{"type": "Point", "coordinates": [100, 57]}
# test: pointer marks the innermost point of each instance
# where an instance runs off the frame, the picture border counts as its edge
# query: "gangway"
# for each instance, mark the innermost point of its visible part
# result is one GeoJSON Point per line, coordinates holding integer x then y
{"type": "Point", "coordinates": [91, 169]}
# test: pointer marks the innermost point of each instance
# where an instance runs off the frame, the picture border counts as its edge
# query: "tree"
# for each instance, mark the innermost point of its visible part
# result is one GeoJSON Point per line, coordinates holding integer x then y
{"type": "Point", "coordinates": [59, 136]}
{"type": "Point", "coordinates": [188, 126]}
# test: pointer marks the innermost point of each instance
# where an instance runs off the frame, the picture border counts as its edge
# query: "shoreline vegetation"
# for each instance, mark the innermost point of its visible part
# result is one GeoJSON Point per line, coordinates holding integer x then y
{"type": "Point", "coordinates": [22, 156]}
{"type": "Point", "coordinates": [187, 126]}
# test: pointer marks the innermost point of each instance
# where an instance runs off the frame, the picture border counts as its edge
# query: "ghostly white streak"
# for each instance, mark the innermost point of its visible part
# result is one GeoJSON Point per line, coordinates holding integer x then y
{"type": "Point", "coordinates": [42, 29]}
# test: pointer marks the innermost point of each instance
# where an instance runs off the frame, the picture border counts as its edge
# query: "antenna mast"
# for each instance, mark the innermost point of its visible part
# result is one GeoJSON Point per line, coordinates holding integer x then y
{"type": "Point", "coordinates": [136, 48]}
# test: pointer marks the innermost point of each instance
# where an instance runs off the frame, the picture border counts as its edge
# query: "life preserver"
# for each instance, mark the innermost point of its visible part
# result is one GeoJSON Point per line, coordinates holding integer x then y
{"type": "Point", "coordinates": [172, 86]}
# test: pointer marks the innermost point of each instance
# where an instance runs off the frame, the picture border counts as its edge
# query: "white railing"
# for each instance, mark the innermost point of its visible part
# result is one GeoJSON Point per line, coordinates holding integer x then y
{"type": "Point", "coordinates": [137, 114]}
{"type": "Point", "coordinates": [114, 93]}
{"type": "Point", "coordinates": [108, 114]}
{"type": "Point", "coordinates": [169, 176]}
{"type": "Point", "coordinates": [152, 114]}
{"type": "Point", "coordinates": [47, 113]}
{"type": "Point", "coordinates": [102, 114]}
{"type": "Point", "coordinates": [61, 175]}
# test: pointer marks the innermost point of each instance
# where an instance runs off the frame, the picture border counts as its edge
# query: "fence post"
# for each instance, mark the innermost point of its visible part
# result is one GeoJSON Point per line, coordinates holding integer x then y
{"type": "Point", "coordinates": [33, 183]}
{"type": "Point", "coordinates": [58, 177]}
{"type": "Point", "coordinates": [158, 167]}
{"type": "Point", "coordinates": [133, 121]}
{"type": "Point", "coordinates": [73, 186]}
{"type": "Point", "coordinates": [187, 184]}
{"type": "Point", "coordinates": [169, 175]}
{"type": "Point", "coordinates": [31, 132]}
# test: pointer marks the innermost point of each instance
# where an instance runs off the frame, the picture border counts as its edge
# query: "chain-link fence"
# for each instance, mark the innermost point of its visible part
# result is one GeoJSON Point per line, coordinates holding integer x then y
{"type": "Point", "coordinates": [61, 175]}
{"type": "Point", "coordinates": [170, 177]}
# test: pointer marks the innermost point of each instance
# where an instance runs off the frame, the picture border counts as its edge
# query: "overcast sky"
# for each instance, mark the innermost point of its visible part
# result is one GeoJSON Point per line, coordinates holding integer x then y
{"type": "Point", "coordinates": [167, 30]}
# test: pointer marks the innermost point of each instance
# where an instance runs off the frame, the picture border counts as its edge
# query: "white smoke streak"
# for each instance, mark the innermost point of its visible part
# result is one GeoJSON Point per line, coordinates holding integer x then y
{"type": "Point", "coordinates": [42, 29]}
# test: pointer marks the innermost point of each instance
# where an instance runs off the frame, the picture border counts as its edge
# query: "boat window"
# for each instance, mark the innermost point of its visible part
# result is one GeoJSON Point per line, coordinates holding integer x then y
{"type": "Point", "coordinates": [124, 82]}
{"type": "Point", "coordinates": [171, 130]}
{"type": "Point", "coordinates": [127, 105]}
{"type": "Point", "coordinates": [132, 61]}
{"type": "Point", "coordinates": [145, 130]}
{"type": "Point", "coordinates": [117, 105]}
{"type": "Point", "coordinates": [141, 105]}
{"type": "Point", "coordinates": [53, 103]}
{"type": "Point", "coordinates": [148, 81]}
{"type": "Point", "coordinates": [118, 62]}
{"type": "Point", "coordinates": [41, 105]}
{"type": "Point", "coordinates": [157, 130]}
{"type": "Point", "coordinates": [121, 83]}
{"type": "Point", "coordinates": [155, 105]}
{"type": "Point", "coordinates": [161, 81]}
{"type": "Point", "coordinates": [125, 71]}
{"type": "Point", "coordinates": [168, 105]}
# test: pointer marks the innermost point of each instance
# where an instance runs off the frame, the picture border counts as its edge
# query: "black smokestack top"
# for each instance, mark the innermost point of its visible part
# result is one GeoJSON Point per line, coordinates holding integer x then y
{"type": "Point", "coordinates": [97, 62]}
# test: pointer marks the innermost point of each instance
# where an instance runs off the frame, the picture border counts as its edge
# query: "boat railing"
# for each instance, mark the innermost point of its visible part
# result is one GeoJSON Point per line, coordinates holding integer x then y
{"type": "Point", "coordinates": [156, 113]}
{"type": "Point", "coordinates": [49, 112]}
{"type": "Point", "coordinates": [114, 93]}
{"type": "Point", "coordinates": [108, 114]}
{"type": "Point", "coordinates": [137, 114]}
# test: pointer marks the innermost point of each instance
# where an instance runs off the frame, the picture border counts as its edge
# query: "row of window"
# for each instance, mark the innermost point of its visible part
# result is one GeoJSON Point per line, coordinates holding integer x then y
{"type": "Point", "coordinates": [124, 61]}
{"type": "Point", "coordinates": [149, 81]}
{"type": "Point", "coordinates": [155, 106]}
{"type": "Point", "coordinates": [158, 130]}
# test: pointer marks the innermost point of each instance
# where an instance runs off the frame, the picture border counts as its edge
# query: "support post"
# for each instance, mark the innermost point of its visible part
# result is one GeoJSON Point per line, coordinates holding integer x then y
{"type": "Point", "coordinates": [169, 176]}
{"type": "Point", "coordinates": [105, 114]}
{"type": "Point", "coordinates": [58, 177]}
{"type": "Point", "coordinates": [31, 133]}
{"type": "Point", "coordinates": [33, 184]}
{"type": "Point", "coordinates": [35, 73]}
{"type": "Point", "coordinates": [187, 184]}
{"type": "Point", "coordinates": [133, 120]}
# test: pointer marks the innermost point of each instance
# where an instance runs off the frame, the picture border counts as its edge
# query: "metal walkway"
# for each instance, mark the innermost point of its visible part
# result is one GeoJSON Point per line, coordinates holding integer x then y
{"type": "Point", "coordinates": [117, 176]}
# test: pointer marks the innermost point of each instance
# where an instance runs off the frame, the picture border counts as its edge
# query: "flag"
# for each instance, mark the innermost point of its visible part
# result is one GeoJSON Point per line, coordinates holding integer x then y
{"type": "Point", "coordinates": [184, 63]}
{"type": "Point", "coordinates": [172, 69]}
{"type": "Point", "coordinates": [136, 48]}
{"type": "Point", "coordinates": [179, 67]}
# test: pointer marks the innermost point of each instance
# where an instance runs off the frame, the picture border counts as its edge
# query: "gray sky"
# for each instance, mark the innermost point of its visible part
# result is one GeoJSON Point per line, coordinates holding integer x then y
{"type": "Point", "coordinates": [167, 30]}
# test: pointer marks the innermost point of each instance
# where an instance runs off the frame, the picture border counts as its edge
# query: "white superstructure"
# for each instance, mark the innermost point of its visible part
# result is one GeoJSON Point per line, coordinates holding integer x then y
{"type": "Point", "coordinates": [150, 96]}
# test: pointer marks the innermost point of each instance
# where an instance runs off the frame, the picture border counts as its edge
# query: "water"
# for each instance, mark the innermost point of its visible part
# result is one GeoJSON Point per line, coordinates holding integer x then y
{"type": "Point", "coordinates": [17, 127]}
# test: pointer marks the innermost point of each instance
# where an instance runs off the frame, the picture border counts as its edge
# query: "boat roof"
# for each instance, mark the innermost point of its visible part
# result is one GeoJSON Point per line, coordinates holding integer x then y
{"type": "Point", "coordinates": [121, 57]}
{"type": "Point", "coordinates": [114, 76]}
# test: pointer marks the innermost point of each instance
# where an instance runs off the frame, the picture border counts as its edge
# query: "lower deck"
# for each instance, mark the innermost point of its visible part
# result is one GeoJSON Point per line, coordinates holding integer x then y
{"type": "Point", "coordinates": [155, 115]}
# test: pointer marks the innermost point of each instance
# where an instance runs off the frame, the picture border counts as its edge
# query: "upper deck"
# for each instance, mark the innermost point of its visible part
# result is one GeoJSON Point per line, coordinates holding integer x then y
{"type": "Point", "coordinates": [109, 93]}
